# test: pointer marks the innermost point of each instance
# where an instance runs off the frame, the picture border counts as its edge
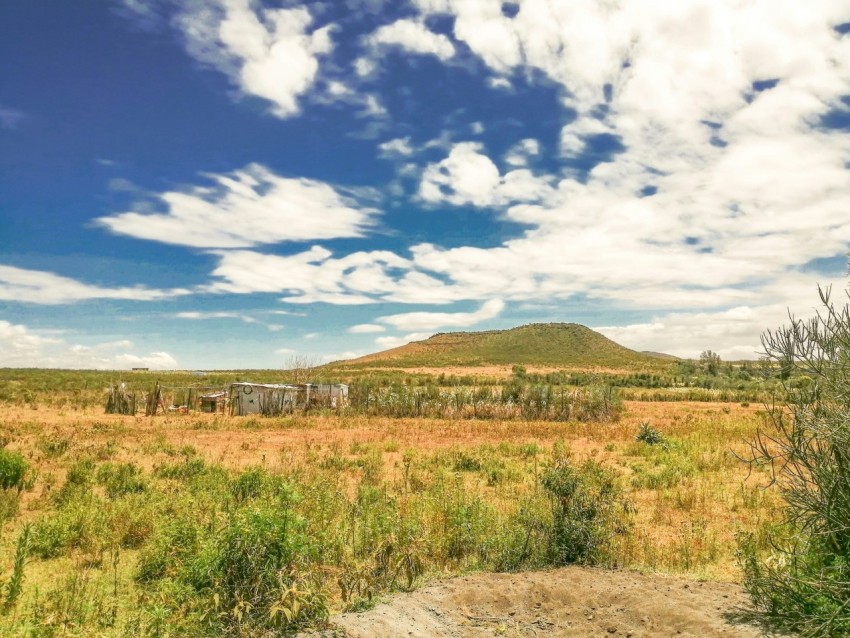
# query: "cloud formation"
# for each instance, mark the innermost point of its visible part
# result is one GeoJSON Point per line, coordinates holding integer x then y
{"type": "Point", "coordinates": [423, 321]}
{"type": "Point", "coordinates": [468, 176]}
{"type": "Point", "coordinates": [244, 208]}
{"type": "Point", "coordinates": [20, 347]}
{"type": "Point", "coordinates": [269, 53]}
{"type": "Point", "coordinates": [40, 287]}
{"type": "Point", "coordinates": [411, 36]}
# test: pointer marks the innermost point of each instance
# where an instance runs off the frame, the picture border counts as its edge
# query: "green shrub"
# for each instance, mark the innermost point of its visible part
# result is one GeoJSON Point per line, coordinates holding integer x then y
{"type": "Point", "coordinates": [249, 484]}
{"type": "Point", "coordinates": [10, 590]}
{"type": "Point", "coordinates": [586, 511]}
{"type": "Point", "coordinates": [802, 582]}
{"type": "Point", "coordinates": [649, 435]}
{"type": "Point", "coordinates": [120, 480]}
{"type": "Point", "coordinates": [78, 481]}
{"type": "Point", "coordinates": [244, 566]}
{"type": "Point", "coordinates": [13, 469]}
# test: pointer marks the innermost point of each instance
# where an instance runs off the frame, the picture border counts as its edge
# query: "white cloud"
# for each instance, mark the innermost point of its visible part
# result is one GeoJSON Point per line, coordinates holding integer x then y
{"type": "Point", "coordinates": [733, 333]}
{"type": "Point", "coordinates": [40, 287]}
{"type": "Point", "coordinates": [154, 361]}
{"type": "Point", "coordinates": [365, 67]}
{"type": "Point", "coordinates": [717, 193]}
{"type": "Point", "coordinates": [268, 53]}
{"type": "Point", "coordinates": [421, 321]}
{"type": "Point", "coordinates": [395, 342]}
{"type": "Point", "coordinates": [522, 151]}
{"type": "Point", "coordinates": [215, 315]}
{"type": "Point", "coordinates": [247, 207]}
{"type": "Point", "coordinates": [574, 135]}
{"type": "Point", "coordinates": [397, 147]}
{"type": "Point", "coordinates": [342, 356]}
{"type": "Point", "coordinates": [366, 328]}
{"type": "Point", "coordinates": [499, 83]}
{"type": "Point", "coordinates": [467, 176]}
{"type": "Point", "coordinates": [313, 274]}
{"type": "Point", "coordinates": [414, 37]}
{"type": "Point", "coordinates": [21, 347]}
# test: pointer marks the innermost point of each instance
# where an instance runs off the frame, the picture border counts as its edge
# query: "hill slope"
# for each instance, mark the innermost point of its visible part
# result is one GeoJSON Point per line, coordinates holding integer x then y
{"type": "Point", "coordinates": [541, 344]}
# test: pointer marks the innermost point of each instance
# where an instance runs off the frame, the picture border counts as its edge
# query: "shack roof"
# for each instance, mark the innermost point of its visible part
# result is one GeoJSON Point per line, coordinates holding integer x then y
{"type": "Point", "coordinates": [270, 386]}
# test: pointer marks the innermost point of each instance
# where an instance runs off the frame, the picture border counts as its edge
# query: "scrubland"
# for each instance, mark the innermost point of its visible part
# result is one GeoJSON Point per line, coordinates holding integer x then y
{"type": "Point", "coordinates": [198, 525]}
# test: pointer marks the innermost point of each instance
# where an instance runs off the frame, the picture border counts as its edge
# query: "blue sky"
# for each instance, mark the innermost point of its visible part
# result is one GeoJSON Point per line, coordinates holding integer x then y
{"type": "Point", "coordinates": [230, 184]}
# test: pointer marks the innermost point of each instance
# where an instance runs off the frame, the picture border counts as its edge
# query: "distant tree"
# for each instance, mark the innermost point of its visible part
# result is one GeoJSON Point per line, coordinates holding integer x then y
{"type": "Point", "coordinates": [301, 367]}
{"type": "Point", "coordinates": [710, 362]}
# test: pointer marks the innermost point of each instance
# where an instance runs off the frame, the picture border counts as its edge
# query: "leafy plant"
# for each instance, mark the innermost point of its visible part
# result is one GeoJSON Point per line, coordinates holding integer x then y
{"type": "Point", "coordinates": [10, 591]}
{"type": "Point", "coordinates": [649, 435]}
{"type": "Point", "coordinates": [803, 583]}
{"type": "Point", "coordinates": [13, 469]}
{"type": "Point", "coordinates": [120, 480]}
{"type": "Point", "coordinates": [587, 512]}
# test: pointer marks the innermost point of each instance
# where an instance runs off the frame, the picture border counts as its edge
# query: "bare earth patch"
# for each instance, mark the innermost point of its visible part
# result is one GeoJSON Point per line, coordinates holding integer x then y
{"type": "Point", "coordinates": [568, 602]}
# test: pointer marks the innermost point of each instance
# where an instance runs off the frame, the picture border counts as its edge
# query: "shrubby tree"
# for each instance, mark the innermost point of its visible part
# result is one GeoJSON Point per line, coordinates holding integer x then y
{"type": "Point", "coordinates": [710, 362]}
{"type": "Point", "coordinates": [803, 582]}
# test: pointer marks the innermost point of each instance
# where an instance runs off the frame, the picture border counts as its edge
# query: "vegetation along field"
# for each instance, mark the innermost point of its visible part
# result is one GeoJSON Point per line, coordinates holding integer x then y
{"type": "Point", "coordinates": [206, 524]}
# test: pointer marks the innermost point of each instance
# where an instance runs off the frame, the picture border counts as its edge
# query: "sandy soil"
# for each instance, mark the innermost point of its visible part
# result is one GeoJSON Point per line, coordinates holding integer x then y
{"type": "Point", "coordinates": [569, 602]}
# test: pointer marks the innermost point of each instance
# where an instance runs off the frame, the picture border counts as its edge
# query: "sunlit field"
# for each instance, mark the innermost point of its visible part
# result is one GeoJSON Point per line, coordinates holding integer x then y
{"type": "Point", "coordinates": [207, 524]}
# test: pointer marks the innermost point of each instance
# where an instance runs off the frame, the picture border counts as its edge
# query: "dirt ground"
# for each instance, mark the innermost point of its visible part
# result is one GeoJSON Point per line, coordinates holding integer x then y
{"type": "Point", "coordinates": [562, 603]}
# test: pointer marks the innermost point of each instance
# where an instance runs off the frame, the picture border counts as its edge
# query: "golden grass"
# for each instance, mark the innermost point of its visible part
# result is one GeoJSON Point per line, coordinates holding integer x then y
{"type": "Point", "coordinates": [689, 502]}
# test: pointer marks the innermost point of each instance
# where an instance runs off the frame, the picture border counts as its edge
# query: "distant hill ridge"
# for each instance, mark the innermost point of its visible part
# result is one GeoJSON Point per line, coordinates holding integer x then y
{"type": "Point", "coordinates": [542, 344]}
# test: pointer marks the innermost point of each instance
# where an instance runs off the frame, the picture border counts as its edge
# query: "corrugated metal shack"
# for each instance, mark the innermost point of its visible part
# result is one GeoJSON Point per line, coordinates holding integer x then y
{"type": "Point", "coordinates": [213, 402]}
{"type": "Point", "coordinates": [271, 399]}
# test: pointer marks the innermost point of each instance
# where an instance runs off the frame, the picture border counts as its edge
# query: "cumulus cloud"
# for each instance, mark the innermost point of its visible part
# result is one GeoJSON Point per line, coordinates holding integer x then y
{"type": "Point", "coordinates": [269, 53]}
{"type": "Point", "coordinates": [414, 37]}
{"type": "Point", "coordinates": [399, 147]}
{"type": "Point", "coordinates": [366, 328]}
{"type": "Point", "coordinates": [250, 206]}
{"type": "Point", "coordinates": [521, 152]}
{"type": "Point", "coordinates": [720, 185]}
{"type": "Point", "coordinates": [40, 287]}
{"type": "Point", "coordinates": [21, 347]}
{"type": "Point", "coordinates": [422, 321]}
{"type": "Point", "coordinates": [310, 276]}
{"type": "Point", "coordinates": [719, 188]}
{"type": "Point", "coordinates": [468, 176]}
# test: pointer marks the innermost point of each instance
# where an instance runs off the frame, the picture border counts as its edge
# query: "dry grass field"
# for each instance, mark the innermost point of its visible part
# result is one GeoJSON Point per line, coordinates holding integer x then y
{"type": "Point", "coordinates": [160, 525]}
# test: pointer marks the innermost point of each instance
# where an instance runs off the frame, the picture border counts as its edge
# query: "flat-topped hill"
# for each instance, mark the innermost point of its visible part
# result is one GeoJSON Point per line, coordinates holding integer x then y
{"type": "Point", "coordinates": [539, 344]}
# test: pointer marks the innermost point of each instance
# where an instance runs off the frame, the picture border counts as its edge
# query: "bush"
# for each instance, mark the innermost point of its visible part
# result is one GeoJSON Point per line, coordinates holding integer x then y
{"type": "Point", "coordinates": [587, 512]}
{"type": "Point", "coordinates": [13, 469]}
{"type": "Point", "coordinates": [246, 567]}
{"type": "Point", "coordinates": [803, 582]}
{"type": "Point", "coordinates": [120, 480]}
{"type": "Point", "coordinates": [649, 435]}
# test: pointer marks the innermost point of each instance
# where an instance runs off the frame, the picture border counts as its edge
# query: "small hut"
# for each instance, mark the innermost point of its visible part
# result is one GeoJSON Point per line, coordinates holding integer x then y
{"type": "Point", "coordinates": [265, 398]}
{"type": "Point", "coordinates": [213, 402]}
{"type": "Point", "coordinates": [271, 399]}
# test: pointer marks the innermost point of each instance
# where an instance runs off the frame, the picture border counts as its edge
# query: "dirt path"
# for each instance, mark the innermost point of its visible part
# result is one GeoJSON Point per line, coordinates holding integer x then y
{"type": "Point", "coordinates": [569, 602]}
